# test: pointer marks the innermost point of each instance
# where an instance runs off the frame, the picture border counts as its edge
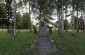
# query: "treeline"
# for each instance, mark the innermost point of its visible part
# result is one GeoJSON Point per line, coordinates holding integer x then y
{"type": "Point", "coordinates": [22, 21]}
{"type": "Point", "coordinates": [45, 9]}
{"type": "Point", "coordinates": [80, 24]}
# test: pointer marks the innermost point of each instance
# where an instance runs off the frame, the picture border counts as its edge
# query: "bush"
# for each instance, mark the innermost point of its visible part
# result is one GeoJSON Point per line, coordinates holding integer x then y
{"type": "Point", "coordinates": [50, 30]}
{"type": "Point", "coordinates": [35, 30]}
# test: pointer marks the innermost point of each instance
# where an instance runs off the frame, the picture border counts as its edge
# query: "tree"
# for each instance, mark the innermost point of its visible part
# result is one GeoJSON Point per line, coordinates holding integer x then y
{"type": "Point", "coordinates": [65, 25]}
{"type": "Point", "coordinates": [59, 4]}
{"type": "Point", "coordinates": [19, 21]}
{"type": "Point", "coordinates": [80, 24]}
{"type": "Point", "coordinates": [8, 5]}
{"type": "Point", "coordinates": [77, 5]}
{"type": "Point", "coordinates": [11, 15]}
{"type": "Point", "coordinates": [72, 17]}
{"type": "Point", "coordinates": [30, 16]}
{"type": "Point", "coordinates": [26, 21]}
{"type": "Point", "coordinates": [2, 10]}
{"type": "Point", "coordinates": [25, 2]}
{"type": "Point", "coordinates": [35, 29]}
{"type": "Point", "coordinates": [50, 30]}
{"type": "Point", "coordinates": [2, 14]}
{"type": "Point", "coordinates": [44, 9]}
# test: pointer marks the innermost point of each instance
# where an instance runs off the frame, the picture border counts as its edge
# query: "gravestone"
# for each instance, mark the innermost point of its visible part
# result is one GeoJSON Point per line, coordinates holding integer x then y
{"type": "Point", "coordinates": [43, 32]}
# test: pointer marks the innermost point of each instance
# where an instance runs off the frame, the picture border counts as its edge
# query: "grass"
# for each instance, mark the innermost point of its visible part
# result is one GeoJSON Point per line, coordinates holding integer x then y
{"type": "Point", "coordinates": [69, 45]}
{"type": "Point", "coordinates": [19, 45]}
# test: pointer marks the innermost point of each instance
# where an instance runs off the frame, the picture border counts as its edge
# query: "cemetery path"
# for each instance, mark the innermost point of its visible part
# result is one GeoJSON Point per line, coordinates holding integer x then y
{"type": "Point", "coordinates": [44, 46]}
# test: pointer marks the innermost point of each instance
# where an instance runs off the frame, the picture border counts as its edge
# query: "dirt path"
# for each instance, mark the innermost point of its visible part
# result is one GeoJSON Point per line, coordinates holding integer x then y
{"type": "Point", "coordinates": [44, 46]}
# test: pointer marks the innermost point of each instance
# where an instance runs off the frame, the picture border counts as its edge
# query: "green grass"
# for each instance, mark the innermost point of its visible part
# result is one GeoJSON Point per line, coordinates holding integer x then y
{"type": "Point", "coordinates": [10, 45]}
{"type": "Point", "coordinates": [19, 45]}
{"type": "Point", "coordinates": [69, 45]}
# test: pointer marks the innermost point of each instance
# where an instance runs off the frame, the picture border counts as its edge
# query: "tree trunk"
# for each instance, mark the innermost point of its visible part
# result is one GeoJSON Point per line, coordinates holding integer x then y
{"type": "Point", "coordinates": [14, 21]}
{"type": "Point", "coordinates": [2, 27]}
{"type": "Point", "coordinates": [8, 27]}
{"type": "Point", "coordinates": [72, 17]}
{"type": "Point", "coordinates": [73, 27]}
{"type": "Point", "coordinates": [77, 22]}
{"type": "Point", "coordinates": [82, 28]}
{"type": "Point", "coordinates": [30, 17]}
{"type": "Point", "coordinates": [67, 21]}
{"type": "Point", "coordinates": [58, 21]}
{"type": "Point", "coordinates": [62, 20]}
{"type": "Point", "coordinates": [84, 20]}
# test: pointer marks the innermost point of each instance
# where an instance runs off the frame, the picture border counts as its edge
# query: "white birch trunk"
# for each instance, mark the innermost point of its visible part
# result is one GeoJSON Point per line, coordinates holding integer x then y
{"type": "Point", "coordinates": [62, 20]}
{"type": "Point", "coordinates": [14, 28]}
{"type": "Point", "coordinates": [84, 19]}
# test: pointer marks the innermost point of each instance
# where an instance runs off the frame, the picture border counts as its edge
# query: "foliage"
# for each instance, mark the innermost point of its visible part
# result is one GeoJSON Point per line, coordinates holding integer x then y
{"type": "Point", "coordinates": [8, 2]}
{"type": "Point", "coordinates": [43, 9]}
{"type": "Point", "coordinates": [19, 20]}
{"type": "Point", "coordinates": [80, 23]}
{"type": "Point", "coordinates": [2, 11]}
{"type": "Point", "coordinates": [35, 29]}
{"type": "Point", "coordinates": [26, 21]}
{"type": "Point", "coordinates": [50, 30]}
{"type": "Point", "coordinates": [69, 45]}
{"type": "Point", "coordinates": [19, 45]}
{"type": "Point", "coordinates": [66, 25]}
